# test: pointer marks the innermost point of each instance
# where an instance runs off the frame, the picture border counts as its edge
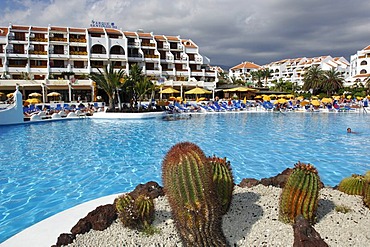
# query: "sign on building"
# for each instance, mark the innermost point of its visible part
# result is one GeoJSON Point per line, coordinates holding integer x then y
{"type": "Point", "coordinates": [103, 24]}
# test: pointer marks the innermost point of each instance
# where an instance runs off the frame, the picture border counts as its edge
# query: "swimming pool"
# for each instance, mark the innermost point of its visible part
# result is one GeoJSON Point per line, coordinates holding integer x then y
{"type": "Point", "coordinates": [48, 167]}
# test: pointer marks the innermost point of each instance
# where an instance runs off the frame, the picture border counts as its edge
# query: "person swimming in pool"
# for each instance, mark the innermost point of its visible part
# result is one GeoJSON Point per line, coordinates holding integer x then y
{"type": "Point", "coordinates": [349, 130]}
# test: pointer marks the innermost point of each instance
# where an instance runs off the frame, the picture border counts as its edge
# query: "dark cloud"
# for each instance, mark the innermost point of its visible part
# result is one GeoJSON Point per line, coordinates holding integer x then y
{"type": "Point", "coordinates": [227, 31]}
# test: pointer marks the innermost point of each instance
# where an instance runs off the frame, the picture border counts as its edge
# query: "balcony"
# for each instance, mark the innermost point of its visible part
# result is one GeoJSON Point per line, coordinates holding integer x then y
{"type": "Point", "coordinates": [151, 56]}
{"type": "Point", "coordinates": [82, 53]}
{"type": "Point", "coordinates": [146, 44]}
{"type": "Point", "coordinates": [33, 39]}
{"type": "Point", "coordinates": [77, 40]}
{"type": "Point", "coordinates": [58, 39]}
{"type": "Point", "coordinates": [38, 52]}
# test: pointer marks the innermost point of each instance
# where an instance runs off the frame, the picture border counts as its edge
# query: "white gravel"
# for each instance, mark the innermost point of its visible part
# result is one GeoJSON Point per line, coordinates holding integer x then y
{"type": "Point", "coordinates": [251, 221]}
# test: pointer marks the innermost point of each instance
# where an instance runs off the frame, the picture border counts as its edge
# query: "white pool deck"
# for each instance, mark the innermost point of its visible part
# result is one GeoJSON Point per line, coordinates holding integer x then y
{"type": "Point", "coordinates": [46, 232]}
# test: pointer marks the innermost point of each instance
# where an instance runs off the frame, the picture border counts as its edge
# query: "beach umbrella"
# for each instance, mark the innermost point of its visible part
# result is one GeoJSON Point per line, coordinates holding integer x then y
{"type": "Point", "coordinates": [9, 95]}
{"type": "Point", "coordinates": [170, 90]}
{"type": "Point", "coordinates": [314, 97]}
{"type": "Point", "coordinates": [280, 101]}
{"type": "Point", "coordinates": [289, 96]}
{"type": "Point", "coordinates": [305, 102]}
{"type": "Point", "coordinates": [241, 89]}
{"type": "Point", "coordinates": [258, 97]}
{"type": "Point", "coordinates": [198, 90]}
{"type": "Point", "coordinates": [349, 96]}
{"type": "Point", "coordinates": [300, 98]}
{"type": "Point", "coordinates": [326, 100]}
{"type": "Point", "coordinates": [266, 98]}
{"type": "Point", "coordinates": [35, 95]}
{"type": "Point", "coordinates": [53, 94]}
{"type": "Point", "coordinates": [33, 101]}
{"type": "Point", "coordinates": [315, 102]}
{"type": "Point", "coordinates": [273, 95]}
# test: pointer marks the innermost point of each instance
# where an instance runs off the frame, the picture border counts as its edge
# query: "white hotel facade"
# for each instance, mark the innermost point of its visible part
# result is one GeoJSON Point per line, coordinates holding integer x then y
{"type": "Point", "coordinates": [292, 69]}
{"type": "Point", "coordinates": [41, 58]}
{"type": "Point", "coordinates": [360, 66]}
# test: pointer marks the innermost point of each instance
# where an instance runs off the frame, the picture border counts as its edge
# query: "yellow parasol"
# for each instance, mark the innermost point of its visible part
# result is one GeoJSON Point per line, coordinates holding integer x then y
{"type": "Point", "coordinates": [266, 98]}
{"type": "Point", "coordinates": [35, 95]}
{"type": "Point", "coordinates": [305, 102]}
{"type": "Point", "coordinates": [32, 101]}
{"type": "Point", "coordinates": [315, 102]}
{"type": "Point", "coordinates": [280, 101]}
{"type": "Point", "coordinates": [241, 89]}
{"type": "Point", "coordinates": [326, 100]}
{"type": "Point", "coordinates": [198, 90]}
{"type": "Point", "coordinates": [170, 90]}
{"type": "Point", "coordinates": [9, 95]}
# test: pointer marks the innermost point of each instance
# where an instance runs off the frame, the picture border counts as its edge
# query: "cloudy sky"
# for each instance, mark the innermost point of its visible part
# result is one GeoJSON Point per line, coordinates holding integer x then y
{"type": "Point", "coordinates": [227, 31]}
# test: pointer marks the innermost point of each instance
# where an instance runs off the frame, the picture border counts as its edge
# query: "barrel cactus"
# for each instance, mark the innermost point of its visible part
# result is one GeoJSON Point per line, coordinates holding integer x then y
{"type": "Point", "coordinates": [188, 184]}
{"type": "Point", "coordinates": [125, 206]}
{"type": "Point", "coordinates": [367, 175]}
{"type": "Point", "coordinates": [353, 185]}
{"type": "Point", "coordinates": [300, 194]}
{"type": "Point", "coordinates": [366, 195]}
{"type": "Point", "coordinates": [224, 181]}
{"type": "Point", "coordinates": [144, 208]}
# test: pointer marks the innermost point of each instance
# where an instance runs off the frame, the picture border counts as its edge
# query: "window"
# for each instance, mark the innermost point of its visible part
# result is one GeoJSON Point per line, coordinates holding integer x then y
{"type": "Point", "coordinates": [364, 63]}
{"type": "Point", "coordinates": [363, 71]}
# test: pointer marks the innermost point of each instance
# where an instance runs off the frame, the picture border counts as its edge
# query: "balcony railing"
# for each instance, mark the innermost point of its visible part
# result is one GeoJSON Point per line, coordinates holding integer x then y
{"type": "Point", "coordinates": [151, 56]}
{"type": "Point", "coordinates": [58, 52]}
{"type": "Point", "coordinates": [77, 40]}
{"type": "Point", "coordinates": [16, 51]}
{"type": "Point", "coordinates": [58, 39]}
{"type": "Point", "coordinates": [83, 53]}
{"type": "Point", "coordinates": [38, 66]}
{"type": "Point", "coordinates": [38, 52]}
{"type": "Point", "coordinates": [17, 65]}
{"type": "Point", "coordinates": [148, 44]}
{"type": "Point", "coordinates": [38, 39]}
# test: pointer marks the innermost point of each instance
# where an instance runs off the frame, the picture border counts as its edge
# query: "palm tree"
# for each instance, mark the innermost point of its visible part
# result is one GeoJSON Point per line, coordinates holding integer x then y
{"type": "Point", "coordinates": [333, 81]}
{"type": "Point", "coordinates": [110, 81]}
{"type": "Point", "coordinates": [266, 74]}
{"type": "Point", "coordinates": [367, 85]}
{"type": "Point", "coordinates": [257, 75]}
{"type": "Point", "coordinates": [137, 85]}
{"type": "Point", "coordinates": [313, 79]}
{"type": "Point", "coordinates": [142, 87]}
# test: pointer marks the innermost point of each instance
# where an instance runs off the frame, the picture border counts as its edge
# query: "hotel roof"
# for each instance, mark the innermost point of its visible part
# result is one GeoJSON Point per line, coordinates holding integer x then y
{"type": "Point", "coordinates": [246, 65]}
{"type": "Point", "coordinates": [4, 31]}
{"type": "Point", "coordinates": [59, 29]}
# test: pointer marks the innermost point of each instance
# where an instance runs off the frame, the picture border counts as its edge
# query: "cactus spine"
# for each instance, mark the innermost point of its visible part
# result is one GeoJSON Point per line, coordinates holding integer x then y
{"type": "Point", "coordinates": [366, 195]}
{"type": "Point", "coordinates": [353, 185]}
{"type": "Point", "coordinates": [300, 194]}
{"type": "Point", "coordinates": [144, 207]}
{"type": "Point", "coordinates": [135, 213]}
{"type": "Point", "coordinates": [187, 180]}
{"type": "Point", "coordinates": [224, 181]}
{"type": "Point", "coordinates": [126, 212]}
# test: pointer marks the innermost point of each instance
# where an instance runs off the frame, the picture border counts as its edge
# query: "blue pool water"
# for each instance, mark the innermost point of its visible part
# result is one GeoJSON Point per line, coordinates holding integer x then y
{"type": "Point", "coordinates": [49, 167]}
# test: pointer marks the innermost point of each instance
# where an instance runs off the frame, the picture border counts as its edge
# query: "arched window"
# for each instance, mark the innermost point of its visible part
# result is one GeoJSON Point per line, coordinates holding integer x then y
{"type": "Point", "coordinates": [364, 63]}
{"type": "Point", "coordinates": [117, 50]}
{"type": "Point", "coordinates": [363, 71]}
{"type": "Point", "coordinates": [276, 70]}
{"type": "Point", "coordinates": [98, 49]}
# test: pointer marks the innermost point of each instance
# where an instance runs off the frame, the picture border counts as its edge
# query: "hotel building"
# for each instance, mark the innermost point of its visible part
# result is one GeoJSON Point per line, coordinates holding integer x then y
{"type": "Point", "coordinates": [293, 69]}
{"type": "Point", "coordinates": [360, 66]}
{"type": "Point", "coordinates": [59, 59]}
{"type": "Point", "coordinates": [242, 71]}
